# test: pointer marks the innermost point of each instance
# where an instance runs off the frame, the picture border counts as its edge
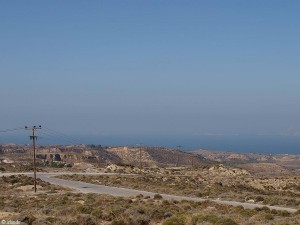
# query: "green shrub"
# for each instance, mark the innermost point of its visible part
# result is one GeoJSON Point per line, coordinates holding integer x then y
{"type": "Point", "coordinates": [178, 220]}
{"type": "Point", "coordinates": [84, 209]}
{"type": "Point", "coordinates": [97, 213]}
{"type": "Point", "coordinates": [274, 211]}
{"type": "Point", "coordinates": [226, 221]}
{"type": "Point", "coordinates": [284, 213]}
{"type": "Point", "coordinates": [269, 216]}
{"type": "Point", "coordinates": [205, 218]}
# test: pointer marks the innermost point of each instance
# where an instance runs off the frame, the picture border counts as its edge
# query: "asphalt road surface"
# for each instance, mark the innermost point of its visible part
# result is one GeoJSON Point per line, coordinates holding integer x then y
{"type": "Point", "coordinates": [126, 192]}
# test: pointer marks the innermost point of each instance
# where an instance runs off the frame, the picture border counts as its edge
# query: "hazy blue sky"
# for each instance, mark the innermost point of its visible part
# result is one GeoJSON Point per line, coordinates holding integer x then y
{"type": "Point", "coordinates": [151, 67]}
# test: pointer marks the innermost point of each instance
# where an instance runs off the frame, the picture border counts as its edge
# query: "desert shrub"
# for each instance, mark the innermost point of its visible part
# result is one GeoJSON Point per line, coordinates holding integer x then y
{"type": "Point", "coordinates": [138, 221]}
{"type": "Point", "coordinates": [51, 219]}
{"type": "Point", "coordinates": [258, 209]}
{"type": "Point", "coordinates": [187, 207]}
{"type": "Point", "coordinates": [157, 214]}
{"type": "Point", "coordinates": [97, 213]}
{"type": "Point", "coordinates": [91, 196]}
{"type": "Point", "coordinates": [259, 198]}
{"type": "Point", "coordinates": [199, 194]}
{"type": "Point", "coordinates": [28, 219]}
{"type": "Point", "coordinates": [13, 179]}
{"type": "Point", "coordinates": [205, 218]}
{"type": "Point", "coordinates": [46, 211]}
{"type": "Point", "coordinates": [118, 222]}
{"type": "Point", "coordinates": [265, 209]}
{"type": "Point", "coordinates": [84, 219]}
{"type": "Point", "coordinates": [140, 196]}
{"type": "Point", "coordinates": [223, 208]}
{"type": "Point", "coordinates": [168, 214]}
{"type": "Point", "coordinates": [157, 196]}
{"type": "Point", "coordinates": [165, 202]}
{"type": "Point", "coordinates": [84, 209]}
{"type": "Point", "coordinates": [238, 209]}
{"type": "Point", "coordinates": [226, 221]}
{"type": "Point", "coordinates": [248, 213]}
{"type": "Point", "coordinates": [178, 220]}
{"type": "Point", "coordinates": [124, 164]}
{"type": "Point", "coordinates": [112, 213]}
{"type": "Point", "coordinates": [284, 213]}
{"type": "Point", "coordinates": [142, 221]}
{"type": "Point", "coordinates": [140, 211]}
{"type": "Point", "coordinates": [64, 212]}
{"type": "Point", "coordinates": [271, 201]}
{"type": "Point", "coordinates": [269, 216]}
{"type": "Point", "coordinates": [274, 211]}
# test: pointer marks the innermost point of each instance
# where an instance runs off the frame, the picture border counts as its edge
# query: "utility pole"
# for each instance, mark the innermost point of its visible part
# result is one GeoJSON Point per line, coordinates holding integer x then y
{"type": "Point", "coordinates": [33, 138]}
{"type": "Point", "coordinates": [178, 149]}
{"type": "Point", "coordinates": [140, 157]}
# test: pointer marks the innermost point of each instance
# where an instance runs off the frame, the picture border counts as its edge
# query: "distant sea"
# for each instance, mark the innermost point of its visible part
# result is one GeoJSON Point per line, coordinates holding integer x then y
{"type": "Point", "coordinates": [265, 144]}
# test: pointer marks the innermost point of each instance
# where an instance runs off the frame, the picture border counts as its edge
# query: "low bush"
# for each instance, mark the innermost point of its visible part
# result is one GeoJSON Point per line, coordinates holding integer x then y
{"type": "Point", "coordinates": [177, 220]}
{"type": "Point", "coordinates": [157, 196]}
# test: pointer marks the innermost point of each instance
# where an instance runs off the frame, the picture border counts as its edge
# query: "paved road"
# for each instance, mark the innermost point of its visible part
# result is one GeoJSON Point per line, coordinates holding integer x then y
{"type": "Point", "coordinates": [126, 192]}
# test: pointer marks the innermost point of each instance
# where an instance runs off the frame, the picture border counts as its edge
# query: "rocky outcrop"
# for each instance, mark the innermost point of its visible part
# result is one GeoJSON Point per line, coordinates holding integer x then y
{"type": "Point", "coordinates": [224, 171]}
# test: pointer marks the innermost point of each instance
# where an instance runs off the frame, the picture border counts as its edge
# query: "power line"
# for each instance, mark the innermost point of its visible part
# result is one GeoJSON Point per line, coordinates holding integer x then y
{"type": "Point", "coordinates": [62, 135]}
{"type": "Point", "coordinates": [11, 130]}
{"type": "Point", "coordinates": [56, 137]}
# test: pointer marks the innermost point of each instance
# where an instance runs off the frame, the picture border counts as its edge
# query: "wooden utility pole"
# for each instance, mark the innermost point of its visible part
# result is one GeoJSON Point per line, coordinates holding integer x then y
{"type": "Point", "coordinates": [140, 156]}
{"type": "Point", "coordinates": [178, 149]}
{"type": "Point", "coordinates": [33, 138]}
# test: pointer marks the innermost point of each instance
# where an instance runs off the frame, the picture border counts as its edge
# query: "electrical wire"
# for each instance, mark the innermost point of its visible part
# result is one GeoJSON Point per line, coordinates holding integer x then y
{"type": "Point", "coordinates": [61, 135]}
{"type": "Point", "coordinates": [51, 134]}
{"type": "Point", "coordinates": [11, 130]}
{"type": "Point", "coordinates": [56, 138]}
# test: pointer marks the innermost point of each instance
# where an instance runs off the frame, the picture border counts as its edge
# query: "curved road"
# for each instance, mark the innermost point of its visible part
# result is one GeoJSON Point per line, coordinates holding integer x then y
{"type": "Point", "coordinates": [126, 192]}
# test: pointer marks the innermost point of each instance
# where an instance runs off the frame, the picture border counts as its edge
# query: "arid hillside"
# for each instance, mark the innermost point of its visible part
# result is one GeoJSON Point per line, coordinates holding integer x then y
{"type": "Point", "coordinates": [71, 155]}
{"type": "Point", "coordinates": [156, 156]}
{"type": "Point", "coordinates": [259, 163]}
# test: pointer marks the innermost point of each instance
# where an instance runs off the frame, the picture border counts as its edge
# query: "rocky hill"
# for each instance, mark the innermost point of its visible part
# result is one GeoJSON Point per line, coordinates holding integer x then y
{"type": "Point", "coordinates": [266, 163]}
{"type": "Point", "coordinates": [156, 156]}
{"type": "Point", "coordinates": [147, 156]}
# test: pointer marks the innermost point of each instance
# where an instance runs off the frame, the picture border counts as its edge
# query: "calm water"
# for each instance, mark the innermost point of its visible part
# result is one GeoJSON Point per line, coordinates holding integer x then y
{"type": "Point", "coordinates": [250, 143]}
{"type": "Point", "coordinates": [243, 144]}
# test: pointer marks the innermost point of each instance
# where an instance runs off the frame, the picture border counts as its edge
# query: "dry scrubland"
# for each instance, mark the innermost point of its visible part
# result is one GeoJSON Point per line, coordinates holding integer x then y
{"type": "Point", "coordinates": [211, 182]}
{"type": "Point", "coordinates": [55, 205]}
{"type": "Point", "coordinates": [266, 179]}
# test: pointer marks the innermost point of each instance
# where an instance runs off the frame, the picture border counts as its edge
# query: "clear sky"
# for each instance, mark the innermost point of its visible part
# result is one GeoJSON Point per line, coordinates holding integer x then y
{"type": "Point", "coordinates": [133, 67]}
